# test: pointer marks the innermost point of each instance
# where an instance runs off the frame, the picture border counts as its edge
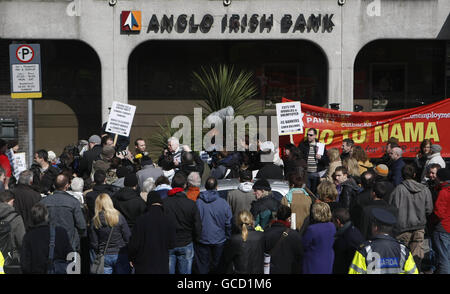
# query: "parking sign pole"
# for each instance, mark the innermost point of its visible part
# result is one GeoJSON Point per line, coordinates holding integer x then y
{"type": "Point", "coordinates": [30, 133]}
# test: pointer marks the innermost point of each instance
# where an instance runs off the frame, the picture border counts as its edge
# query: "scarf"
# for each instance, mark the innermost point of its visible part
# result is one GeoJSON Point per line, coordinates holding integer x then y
{"type": "Point", "coordinates": [175, 191]}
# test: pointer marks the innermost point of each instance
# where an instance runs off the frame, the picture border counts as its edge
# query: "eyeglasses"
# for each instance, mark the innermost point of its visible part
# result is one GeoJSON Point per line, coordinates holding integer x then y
{"type": "Point", "coordinates": [310, 135]}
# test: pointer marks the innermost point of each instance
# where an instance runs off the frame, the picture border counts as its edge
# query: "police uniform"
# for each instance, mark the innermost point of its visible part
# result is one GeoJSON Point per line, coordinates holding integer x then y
{"type": "Point", "coordinates": [383, 254]}
{"type": "Point", "coordinates": [2, 262]}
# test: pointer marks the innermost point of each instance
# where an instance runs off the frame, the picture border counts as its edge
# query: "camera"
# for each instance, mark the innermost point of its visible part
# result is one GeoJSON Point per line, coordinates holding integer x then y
{"type": "Point", "coordinates": [112, 2]}
{"type": "Point", "coordinates": [123, 153]}
{"type": "Point", "coordinates": [226, 2]}
{"type": "Point", "coordinates": [341, 2]}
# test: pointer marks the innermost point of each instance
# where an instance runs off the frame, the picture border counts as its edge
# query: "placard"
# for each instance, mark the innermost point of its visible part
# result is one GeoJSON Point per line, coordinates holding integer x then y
{"type": "Point", "coordinates": [20, 163]}
{"type": "Point", "coordinates": [289, 118]}
{"type": "Point", "coordinates": [120, 119]}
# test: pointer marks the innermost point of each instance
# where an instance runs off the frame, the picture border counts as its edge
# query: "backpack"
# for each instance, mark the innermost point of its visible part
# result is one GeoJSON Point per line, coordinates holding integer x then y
{"type": "Point", "coordinates": [10, 254]}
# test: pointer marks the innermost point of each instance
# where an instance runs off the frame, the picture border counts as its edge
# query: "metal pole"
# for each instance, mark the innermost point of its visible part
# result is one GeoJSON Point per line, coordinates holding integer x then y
{"type": "Point", "coordinates": [30, 133]}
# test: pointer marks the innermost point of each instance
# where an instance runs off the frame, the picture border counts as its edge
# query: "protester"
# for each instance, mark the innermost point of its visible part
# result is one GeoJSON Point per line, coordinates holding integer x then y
{"type": "Point", "coordinates": [139, 147]}
{"type": "Point", "coordinates": [13, 148]}
{"type": "Point", "coordinates": [35, 249]}
{"type": "Point", "coordinates": [152, 237]}
{"type": "Point", "coordinates": [316, 163]}
{"type": "Point", "coordinates": [413, 201]}
{"type": "Point", "coordinates": [25, 197]}
{"type": "Point", "coordinates": [441, 234]}
{"type": "Point", "coordinates": [265, 205]}
{"type": "Point", "coordinates": [396, 166]}
{"type": "Point", "coordinates": [297, 199]}
{"type": "Point", "coordinates": [43, 173]}
{"type": "Point", "coordinates": [347, 240]}
{"type": "Point", "coordinates": [386, 158]}
{"type": "Point", "coordinates": [422, 157]}
{"type": "Point", "coordinates": [95, 149]}
{"type": "Point", "coordinates": [215, 214]}
{"type": "Point", "coordinates": [347, 148]}
{"type": "Point", "coordinates": [433, 157]}
{"type": "Point", "coordinates": [104, 162]}
{"type": "Point", "coordinates": [194, 183]}
{"type": "Point", "coordinates": [128, 200]}
{"type": "Point", "coordinates": [335, 161]}
{"type": "Point", "coordinates": [328, 193]}
{"type": "Point", "coordinates": [2, 179]}
{"type": "Point", "coordinates": [363, 197]}
{"type": "Point", "coordinates": [293, 161]}
{"type": "Point", "coordinates": [162, 186]}
{"type": "Point", "coordinates": [147, 186]}
{"type": "Point", "coordinates": [383, 245]}
{"type": "Point", "coordinates": [65, 211]}
{"type": "Point", "coordinates": [190, 162]}
{"type": "Point", "coordinates": [244, 253]}
{"type": "Point", "coordinates": [283, 244]}
{"type": "Point", "coordinates": [109, 224]}
{"type": "Point", "coordinates": [318, 241]}
{"type": "Point", "coordinates": [361, 157]}
{"type": "Point", "coordinates": [148, 170]}
{"type": "Point", "coordinates": [99, 188]}
{"type": "Point", "coordinates": [382, 172]}
{"type": "Point", "coordinates": [349, 188]}
{"type": "Point", "coordinates": [432, 182]}
{"type": "Point", "coordinates": [76, 189]}
{"type": "Point", "coordinates": [185, 215]}
{"type": "Point", "coordinates": [352, 166]}
{"type": "Point", "coordinates": [269, 170]}
{"type": "Point", "coordinates": [4, 163]}
{"type": "Point", "coordinates": [9, 216]}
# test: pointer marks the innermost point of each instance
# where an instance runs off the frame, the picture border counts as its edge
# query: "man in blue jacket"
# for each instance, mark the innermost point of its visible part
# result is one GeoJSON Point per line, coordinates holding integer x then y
{"type": "Point", "coordinates": [395, 170]}
{"type": "Point", "coordinates": [215, 214]}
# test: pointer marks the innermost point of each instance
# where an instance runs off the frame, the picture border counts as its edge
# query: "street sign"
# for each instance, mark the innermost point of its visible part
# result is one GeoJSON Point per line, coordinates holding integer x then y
{"type": "Point", "coordinates": [120, 119]}
{"type": "Point", "coordinates": [289, 118]}
{"type": "Point", "coordinates": [25, 69]}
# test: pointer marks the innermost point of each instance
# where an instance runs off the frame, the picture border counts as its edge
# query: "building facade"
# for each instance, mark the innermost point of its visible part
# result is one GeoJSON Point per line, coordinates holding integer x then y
{"type": "Point", "coordinates": [373, 55]}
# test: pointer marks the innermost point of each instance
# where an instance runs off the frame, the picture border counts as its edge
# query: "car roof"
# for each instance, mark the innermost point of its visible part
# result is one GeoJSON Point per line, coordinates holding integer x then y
{"type": "Point", "coordinates": [281, 186]}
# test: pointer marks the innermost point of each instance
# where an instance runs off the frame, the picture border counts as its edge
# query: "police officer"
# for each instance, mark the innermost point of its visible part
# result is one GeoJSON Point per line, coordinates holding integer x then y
{"type": "Point", "coordinates": [383, 254]}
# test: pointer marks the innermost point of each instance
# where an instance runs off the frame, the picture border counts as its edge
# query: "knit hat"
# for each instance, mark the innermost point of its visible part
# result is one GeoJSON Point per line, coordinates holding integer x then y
{"type": "Point", "coordinates": [131, 180]}
{"type": "Point", "coordinates": [108, 152]}
{"type": "Point", "coordinates": [262, 185]}
{"type": "Point", "coordinates": [435, 148]}
{"type": "Point", "coordinates": [443, 174]}
{"type": "Point", "coordinates": [95, 139]}
{"type": "Point", "coordinates": [381, 170]}
{"type": "Point", "coordinates": [383, 216]}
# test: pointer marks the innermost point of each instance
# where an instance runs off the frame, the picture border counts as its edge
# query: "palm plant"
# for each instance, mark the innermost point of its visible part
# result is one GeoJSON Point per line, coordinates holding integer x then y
{"type": "Point", "coordinates": [223, 86]}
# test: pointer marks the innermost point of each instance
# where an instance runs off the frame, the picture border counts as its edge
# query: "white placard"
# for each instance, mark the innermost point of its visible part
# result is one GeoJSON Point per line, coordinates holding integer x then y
{"type": "Point", "coordinates": [320, 148]}
{"type": "Point", "coordinates": [120, 119]}
{"type": "Point", "coordinates": [293, 221]}
{"type": "Point", "coordinates": [20, 163]}
{"type": "Point", "coordinates": [289, 118]}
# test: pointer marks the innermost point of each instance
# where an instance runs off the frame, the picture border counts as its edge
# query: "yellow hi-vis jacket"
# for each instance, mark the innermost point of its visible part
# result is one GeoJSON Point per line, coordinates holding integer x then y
{"type": "Point", "coordinates": [383, 255]}
{"type": "Point", "coordinates": [2, 262]}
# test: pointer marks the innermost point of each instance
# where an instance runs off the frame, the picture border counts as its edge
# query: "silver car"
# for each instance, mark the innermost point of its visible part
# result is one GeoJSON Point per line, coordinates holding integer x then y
{"type": "Point", "coordinates": [279, 187]}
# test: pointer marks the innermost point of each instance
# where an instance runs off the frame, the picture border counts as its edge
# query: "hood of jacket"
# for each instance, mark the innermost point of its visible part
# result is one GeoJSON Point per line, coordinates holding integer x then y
{"type": "Point", "coordinates": [351, 183]}
{"type": "Point", "coordinates": [245, 187]}
{"type": "Point", "coordinates": [126, 194]}
{"type": "Point", "coordinates": [5, 209]}
{"type": "Point", "coordinates": [413, 186]}
{"type": "Point", "coordinates": [209, 196]}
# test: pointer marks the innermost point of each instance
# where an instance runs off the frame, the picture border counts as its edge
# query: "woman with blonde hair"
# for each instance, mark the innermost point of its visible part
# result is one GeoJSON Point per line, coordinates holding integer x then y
{"type": "Point", "coordinates": [108, 223]}
{"type": "Point", "coordinates": [328, 193]}
{"type": "Point", "coordinates": [318, 241]}
{"type": "Point", "coordinates": [361, 157]}
{"type": "Point", "coordinates": [244, 253]}
{"type": "Point", "coordinates": [352, 168]}
{"type": "Point", "coordinates": [335, 161]}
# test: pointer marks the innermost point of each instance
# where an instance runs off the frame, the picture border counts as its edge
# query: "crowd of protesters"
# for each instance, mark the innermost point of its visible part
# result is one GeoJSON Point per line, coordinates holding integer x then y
{"type": "Point", "coordinates": [353, 214]}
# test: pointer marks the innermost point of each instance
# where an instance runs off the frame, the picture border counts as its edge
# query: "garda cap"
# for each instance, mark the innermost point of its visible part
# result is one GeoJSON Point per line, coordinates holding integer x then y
{"type": "Point", "coordinates": [383, 216]}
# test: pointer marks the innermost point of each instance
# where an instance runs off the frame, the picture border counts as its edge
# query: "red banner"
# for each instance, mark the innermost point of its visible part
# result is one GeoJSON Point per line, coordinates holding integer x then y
{"type": "Point", "coordinates": [371, 130]}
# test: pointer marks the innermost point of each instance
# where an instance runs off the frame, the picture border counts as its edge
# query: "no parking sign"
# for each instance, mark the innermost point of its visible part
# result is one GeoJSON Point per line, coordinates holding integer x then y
{"type": "Point", "coordinates": [25, 68]}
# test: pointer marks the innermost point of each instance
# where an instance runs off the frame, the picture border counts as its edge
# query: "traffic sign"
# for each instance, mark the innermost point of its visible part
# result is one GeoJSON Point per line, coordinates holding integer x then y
{"type": "Point", "coordinates": [25, 68]}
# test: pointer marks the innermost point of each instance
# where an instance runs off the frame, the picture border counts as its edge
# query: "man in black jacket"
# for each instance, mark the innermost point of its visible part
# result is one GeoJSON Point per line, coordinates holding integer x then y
{"type": "Point", "coordinates": [25, 197]}
{"type": "Point", "coordinates": [349, 188]}
{"type": "Point", "coordinates": [128, 200]}
{"type": "Point", "coordinates": [283, 244]}
{"type": "Point", "coordinates": [152, 237]}
{"type": "Point", "coordinates": [44, 174]}
{"type": "Point", "coordinates": [99, 188]}
{"type": "Point", "coordinates": [95, 149]}
{"type": "Point", "coordinates": [315, 162]}
{"type": "Point", "coordinates": [186, 217]}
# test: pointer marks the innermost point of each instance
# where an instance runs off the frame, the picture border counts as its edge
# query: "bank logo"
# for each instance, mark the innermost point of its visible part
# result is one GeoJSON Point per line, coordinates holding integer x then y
{"type": "Point", "coordinates": [130, 21]}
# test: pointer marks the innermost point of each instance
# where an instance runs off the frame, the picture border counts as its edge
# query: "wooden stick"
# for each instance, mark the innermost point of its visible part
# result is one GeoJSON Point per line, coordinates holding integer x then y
{"type": "Point", "coordinates": [115, 139]}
